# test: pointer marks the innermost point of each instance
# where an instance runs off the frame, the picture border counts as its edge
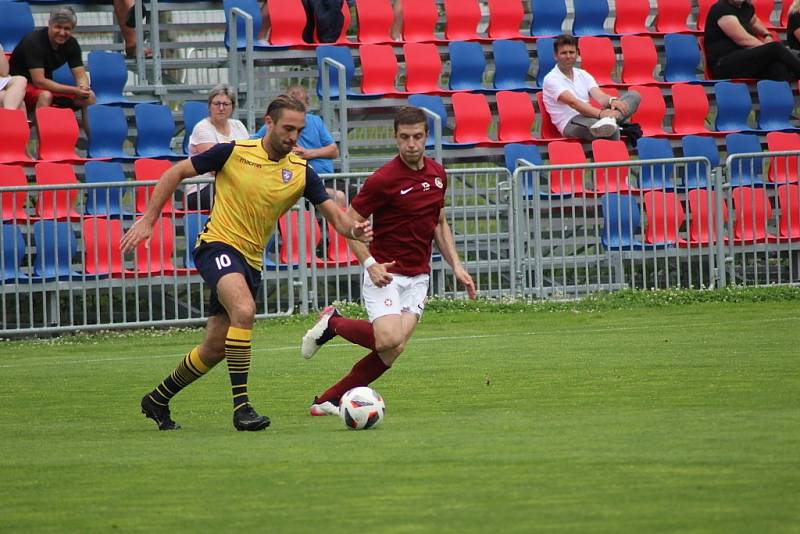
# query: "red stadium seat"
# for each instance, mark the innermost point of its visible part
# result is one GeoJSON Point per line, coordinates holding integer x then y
{"type": "Point", "coordinates": [378, 69]}
{"type": "Point", "coordinates": [471, 118]}
{"type": "Point", "coordinates": [515, 117]}
{"type": "Point", "coordinates": [289, 226]}
{"type": "Point", "coordinates": [665, 216]}
{"type": "Point", "coordinates": [671, 16]}
{"type": "Point", "coordinates": [567, 181]}
{"type": "Point", "coordinates": [423, 68]}
{"type": "Point", "coordinates": [547, 130]}
{"type": "Point", "coordinates": [691, 109]}
{"type": "Point", "coordinates": [145, 169]}
{"type": "Point", "coordinates": [58, 135]}
{"type": "Point", "coordinates": [652, 109]}
{"type": "Point", "coordinates": [57, 204]}
{"type": "Point", "coordinates": [610, 179]}
{"type": "Point", "coordinates": [783, 169]}
{"type": "Point", "coordinates": [101, 237]}
{"type": "Point", "coordinates": [789, 203]}
{"type": "Point", "coordinates": [753, 211]}
{"type": "Point", "coordinates": [505, 19]}
{"type": "Point", "coordinates": [598, 57]}
{"type": "Point", "coordinates": [155, 256]}
{"type": "Point", "coordinates": [639, 60]}
{"type": "Point", "coordinates": [461, 20]}
{"type": "Point", "coordinates": [631, 17]}
{"type": "Point", "coordinates": [16, 134]}
{"type": "Point", "coordinates": [375, 19]}
{"type": "Point", "coordinates": [702, 222]}
{"type": "Point", "coordinates": [419, 20]}
{"type": "Point", "coordinates": [288, 19]}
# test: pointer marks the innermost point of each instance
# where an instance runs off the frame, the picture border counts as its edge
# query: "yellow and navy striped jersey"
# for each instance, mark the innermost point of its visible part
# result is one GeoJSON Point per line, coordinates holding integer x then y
{"type": "Point", "coordinates": [251, 192]}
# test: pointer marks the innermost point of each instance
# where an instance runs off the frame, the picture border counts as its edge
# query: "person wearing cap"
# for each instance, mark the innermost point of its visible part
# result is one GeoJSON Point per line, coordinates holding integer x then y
{"type": "Point", "coordinates": [44, 50]}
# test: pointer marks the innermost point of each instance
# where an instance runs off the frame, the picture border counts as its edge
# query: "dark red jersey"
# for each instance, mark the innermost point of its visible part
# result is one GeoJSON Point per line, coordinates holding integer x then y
{"type": "Point", "coordinates": [405, 206]}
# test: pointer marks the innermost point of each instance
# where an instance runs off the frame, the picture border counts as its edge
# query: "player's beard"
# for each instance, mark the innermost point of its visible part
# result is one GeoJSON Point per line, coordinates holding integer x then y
{"type": "Point", "coordinates": [281, 148]}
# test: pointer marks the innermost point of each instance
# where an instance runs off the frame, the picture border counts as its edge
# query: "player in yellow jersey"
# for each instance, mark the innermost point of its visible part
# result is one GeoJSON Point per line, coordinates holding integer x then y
{"type": "Point", "coordinates": [256, 182]}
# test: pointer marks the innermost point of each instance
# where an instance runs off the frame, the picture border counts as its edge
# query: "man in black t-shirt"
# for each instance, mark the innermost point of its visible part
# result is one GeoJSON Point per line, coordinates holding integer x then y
{"type": "Point", "coordinates": [738, 45]}
{"type": "Point", "coordinates": [44, 50]}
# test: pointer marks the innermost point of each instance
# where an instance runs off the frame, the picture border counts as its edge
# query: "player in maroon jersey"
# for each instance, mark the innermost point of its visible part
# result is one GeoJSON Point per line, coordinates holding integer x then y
{"type": "Point", "coordinates": [405, 198]}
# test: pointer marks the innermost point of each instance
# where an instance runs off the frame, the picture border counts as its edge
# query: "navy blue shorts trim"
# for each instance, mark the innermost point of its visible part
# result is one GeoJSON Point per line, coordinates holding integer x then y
{"type": "Point", "coordinates": [214, 260]}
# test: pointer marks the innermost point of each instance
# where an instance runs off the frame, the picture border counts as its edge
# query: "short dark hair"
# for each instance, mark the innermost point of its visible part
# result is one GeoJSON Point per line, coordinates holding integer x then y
{"type": "Point", "coordinates": [410, 115]}
{"type": "Point", "coordinates": [564, 39]}
{"type": "Point", "coordinates": [281, 102]}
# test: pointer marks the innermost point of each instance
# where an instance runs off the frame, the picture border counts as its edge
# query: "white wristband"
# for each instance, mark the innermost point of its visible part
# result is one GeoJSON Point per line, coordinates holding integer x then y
{"type": "Point", "coordinates": [369, 262]}
{"type": "Point", "coordinates": [353, 232]}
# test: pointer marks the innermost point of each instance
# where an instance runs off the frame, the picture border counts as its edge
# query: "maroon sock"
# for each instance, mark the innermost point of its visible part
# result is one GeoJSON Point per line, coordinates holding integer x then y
{"type": "Point", "coordinates": [354, 330]}
{"type": "Point", "coordinates": [363, 373]}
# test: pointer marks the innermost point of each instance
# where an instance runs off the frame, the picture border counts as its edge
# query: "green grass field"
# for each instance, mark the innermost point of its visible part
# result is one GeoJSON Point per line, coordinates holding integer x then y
{"type": "Point", "coordinates": [676, 418]}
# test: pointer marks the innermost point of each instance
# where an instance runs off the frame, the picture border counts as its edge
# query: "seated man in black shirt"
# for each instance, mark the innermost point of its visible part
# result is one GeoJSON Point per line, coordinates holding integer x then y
{"type": "Point", "coordinates": [738, 45]}
{"type": "Point", "coordinates": [44, 50]}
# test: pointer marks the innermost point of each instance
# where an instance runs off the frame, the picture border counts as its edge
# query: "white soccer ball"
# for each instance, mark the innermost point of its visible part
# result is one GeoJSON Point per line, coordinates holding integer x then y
{"type": "Point", "coordinates": [361, 408]}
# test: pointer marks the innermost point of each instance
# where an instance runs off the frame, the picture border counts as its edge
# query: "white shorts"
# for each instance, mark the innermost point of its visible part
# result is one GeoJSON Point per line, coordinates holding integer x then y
{"type": "Point", "coordinates": [403, 294]}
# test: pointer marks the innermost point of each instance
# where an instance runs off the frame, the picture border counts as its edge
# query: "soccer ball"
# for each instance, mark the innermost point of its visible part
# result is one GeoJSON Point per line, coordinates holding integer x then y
{"type": "Point", "coordinates": [361, 408]}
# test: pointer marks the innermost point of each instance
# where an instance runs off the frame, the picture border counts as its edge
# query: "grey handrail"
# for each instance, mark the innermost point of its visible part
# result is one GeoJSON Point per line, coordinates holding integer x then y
{"type": "Point", "coordinates": [327, 111]}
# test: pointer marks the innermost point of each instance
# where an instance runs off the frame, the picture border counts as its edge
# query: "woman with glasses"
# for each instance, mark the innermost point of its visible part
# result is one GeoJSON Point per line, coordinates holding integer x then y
{"type": "Point", "coordinates": [218, 127]}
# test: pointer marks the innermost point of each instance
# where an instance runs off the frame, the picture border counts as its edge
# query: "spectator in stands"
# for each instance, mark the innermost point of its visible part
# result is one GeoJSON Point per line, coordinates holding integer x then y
{"type": "Point", "coordinates": [44, 50]}
{"type": "Point", "coordinates": [12, 88]}
{"type": "Point", "coordinates": [266, 25]}
{"type": "Point", "coordinates": [567, 92]}
{"type": "Point", "coordinates": [793, 27]}
{"type": "Point", "coordinates": [738, 45]}
{"type": "Point", "coordinates": [316, 145]}
{"type": "Point", "coordinates": [324, 21]}
{"type": "Point", "coordinates": [218, 127]}
{"type": "Point", "coordinates": [396, 30]}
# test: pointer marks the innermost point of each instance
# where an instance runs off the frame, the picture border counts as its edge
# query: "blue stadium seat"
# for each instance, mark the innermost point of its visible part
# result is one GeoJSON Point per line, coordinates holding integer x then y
{"type": "Point", "coordinates": [105, 201]}
{"type": "Point", "coordinates": [109, 77]}
{"type": "Point", "coordinates": [698, 146]}
{"type": "Point", "coordinates": [63, 75]}
{"type": "Point", "coordinates": [155, 129]}
{"type": "Point", "coordinates": [745, 171]}
{"type": "Point", "coordinates": [340, 54]}
{"type": "Point", "coordinates": [108, 131]}
{"type": "Point", "coordinates": [622, 220]}
{"type": "Point", "coordinates": [56, 247]}
{"type": "Point", "coordinates": [16, 22]}
{"type": "Point", "coordinates": [13, 253]}
{"type": "Point", "coordinates": [590, 17]}
{"type": "Point", "coordinates": [193, 112]}
{"type": "Point", "coordinates": [545, 57]}
{"type": "Point", "coordinates": [193, 223]}
{"type": "Point", "coordinates": [466, 65]}
{"type": "Point", "coordinates": [434, 104]}
{"type": "Point", "coordinates": [776, 105]}
{"type": "Point", "coordinates": [517, 154]}
{"type": "Point", "coordinates": [733, 106]}
{"type": "Point", "coordinates": [548, 17]}
{"type": "Point", "coordinates": [511, 65]}
{"type": "Point", "coordinates": [655, 176]}
{"type": "Point", "coordinates": [681, 58]}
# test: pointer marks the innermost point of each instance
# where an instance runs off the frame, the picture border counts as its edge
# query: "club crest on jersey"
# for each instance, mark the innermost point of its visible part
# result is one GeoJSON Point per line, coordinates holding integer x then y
{"type": "Point", "coordinates": [438, 182]}
{"type": "Point", "coordinates": [286, 175]}
{"type": "Point", "coordinates": [387, 303]}
{"type": "Point", "coordinates": [426, 186]}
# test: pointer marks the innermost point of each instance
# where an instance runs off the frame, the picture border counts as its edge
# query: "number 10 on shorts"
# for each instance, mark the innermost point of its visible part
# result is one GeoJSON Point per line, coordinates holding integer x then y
{"type": "Point", "coordinates": [223, 260]}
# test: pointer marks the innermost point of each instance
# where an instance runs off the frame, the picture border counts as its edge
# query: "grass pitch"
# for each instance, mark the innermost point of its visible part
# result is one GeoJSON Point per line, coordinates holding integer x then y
{"type": "Point", "coordinates": [682, 418]}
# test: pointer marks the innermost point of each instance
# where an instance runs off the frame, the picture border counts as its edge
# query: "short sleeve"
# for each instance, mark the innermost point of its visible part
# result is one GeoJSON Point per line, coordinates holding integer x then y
{"type": "Point", "coordinates": [371, 197]}
{"type": "Point", "coordinates": [74, 58]}
{"type": "Point", "coordinates": [325, 138]}
{"type": "Point", "coordinates": [203, 133]}
{"type": "Point", "coordinates": [315, 190]}
{"type": "Point", "coordinates": [213, 159]}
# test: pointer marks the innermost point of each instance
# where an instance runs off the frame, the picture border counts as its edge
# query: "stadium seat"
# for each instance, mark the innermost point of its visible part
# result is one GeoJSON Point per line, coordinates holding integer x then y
{"type": "Point", "coordinates": [665, 216]}
{"type": "Point", "coordinates": [622, 222]}
{"type": "Point", "coordinates": [518, 154]}
{"type": "Point", "coordinates": [342, 55]}
{"type": "Point", "coordinates": [671, 16]}
{"type": "Point", "coordinates": [515, 117]}
{"type": "Point", "coordinates": [434, 104]}
{"type": "Point", "coordinates": [466, 66]}
{"type": "Point", "coordinates": [590, 17]}
{"type": "Point", "coordinates": [193, 224]}
{"type": "Point", "coordinates": [471, 118]}
{"type": "Point", "coordinates": [599, 58]}
{"type": "Point", "coordinates": [547, 17]}
{"type": "Point", "coordinates": [702, 217]}
{"type": "Point", "coordinates": [568, 181]}
{"type": "Point", "coordinates": [109, 77]}
{"type": "Point", "coordinates": [545, 58]}
{"type": "Point", "coordinates": [511, 65]}
{"type": "Point", "coordinates": [12, 253]}
{"type": "Point", "coordinates": [16, 134]}
{"type": "Point", "coordinates": [776, 105]}
{"type": "Point", "coordinates": [699, 146]}
{"type": "Point", "coordinates": [156, 128]}
{"type": "Point", "coordinates": [290, 238]}
{"type": "Point", "coordinates": [56, 204]}
{"type": "Point", "coordinates": [13, 204]}
{"type": "Point", "coordinates": [656, 175]}
{"type": "Point", "coordinates": [374, 21]}
{"type": "Point", "coordinates": [58, 135]}
{"type": "Point", "coordinates": [681, 58]}
{"type": "Point", "coordinates": [651, 111]}
{"type": "Point", "coordinates": [105, 201]}
{"type": "Point", "coordinates": [610, 179]}
{"type": "Point", "coordinates": [108, 131]}
{"type": "Point", "coordinates": [56, 248]}
{"type": "Point", "coordinates": [193, 112]}
{"type": "Point", "coordinates": [753, 211]}
{"type": "Point", "coordinates": [338, 252]}
{"type": "Point", "coordinates": [146, 169]}
{"type": "Point", "coordinates": [16, 23]}
{"type": "Point", "coordinates": [379, 69]}
{"type": "Point", "coordinates": [703, 7]}
{"type": "Point", "coordinates": [252, 8]}
{"type": "Point", "coordinates": [690, 105]}
{"type": "Point", "coordinates": [630, 17]}
{"type": "Point", "coordinates": [748, 170]}
{"type": "Point", "coordinates": [639, 60]}
{"type": "Point", "coordinates": [789, 204]}
{"type": "Point", "coordinates": [784, 16]}
{"type": "Point", "coordinates": [505, 19]}
{"type": "Point", "coordinates": [103, 256]}
{"type": "Point", "coordinates": [423, 68]}
{"type": "Point", "coordinates": [154, 257]}
{"type": "Point", "coordinates": [783, 169]}
{"type": "Point", "coordinates": [764, 10]}
{"type": "Point", "coordinates": [461, 20]}
{"type": "Point", "coordinates": [287, 22]}
{"type": "Point", "coordinates": [419, 21]}
{"type": "Point", "coordinates": [64, 75]}
{"type": "Point", "coordinates": [547, 130]}
{"type": "Point", "coordinates": [733, 107]}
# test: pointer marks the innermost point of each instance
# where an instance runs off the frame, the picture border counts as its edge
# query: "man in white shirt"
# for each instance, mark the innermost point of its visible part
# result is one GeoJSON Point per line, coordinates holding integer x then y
{"type": "Point", "coordinates": [567, 90]}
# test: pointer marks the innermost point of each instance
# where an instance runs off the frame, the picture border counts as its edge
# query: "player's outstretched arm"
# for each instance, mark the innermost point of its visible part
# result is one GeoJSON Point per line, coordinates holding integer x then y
{"type": "Point", "coordinates": [443, 238]}
{"type": "Point", "coordinates": [167, 184]}
{"type": "Point", "coordinates": [345, 223]}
